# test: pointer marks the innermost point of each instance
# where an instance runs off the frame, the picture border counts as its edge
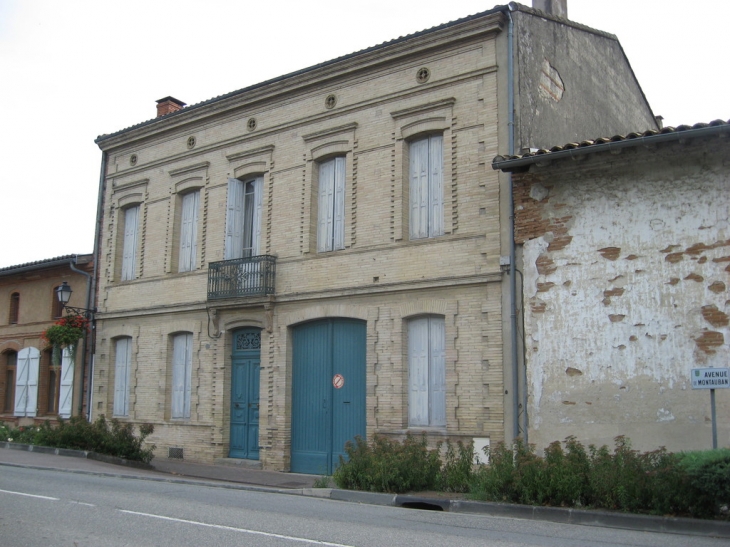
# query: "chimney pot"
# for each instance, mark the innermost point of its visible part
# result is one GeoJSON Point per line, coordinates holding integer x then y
{"type": "Point", "coordinates": [168, 105]}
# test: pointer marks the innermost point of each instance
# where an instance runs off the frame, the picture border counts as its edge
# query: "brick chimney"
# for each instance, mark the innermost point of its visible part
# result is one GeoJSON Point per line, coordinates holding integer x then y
{"type": "Point", "coordinates": [168, 105]}
{"type": "Point", "coordinates": [559, 8]}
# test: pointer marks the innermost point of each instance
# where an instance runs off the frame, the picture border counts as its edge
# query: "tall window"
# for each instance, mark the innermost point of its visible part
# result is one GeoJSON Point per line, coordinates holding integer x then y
{"type": "Point", "coordinates": [243, 218]}
{"type": "Point", "coordinates": [14, 308]}
{"type": "Point", "coordinates": [189, 232]}
{"type": "Point", "coordinates": [10, 359]}
{"type": "Point", "coordinates": [122, 366]}
{"type": "Point", "coordinates": [331, 205]}
{"type": "Point", "coordinates": [129, 247]}
{"type": "Point", "coordinates": [426, 371]}
{"type": "Point", "coordinates": [426, 187]}
{"type": "Point", "coordinates": [182, 359]}
{"type": "Point", "coordinates": [26, 382]}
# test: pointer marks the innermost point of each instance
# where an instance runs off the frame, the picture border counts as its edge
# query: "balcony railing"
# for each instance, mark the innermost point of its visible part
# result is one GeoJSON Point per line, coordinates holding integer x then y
{"type": "Point", "coordinates": [240, 277]}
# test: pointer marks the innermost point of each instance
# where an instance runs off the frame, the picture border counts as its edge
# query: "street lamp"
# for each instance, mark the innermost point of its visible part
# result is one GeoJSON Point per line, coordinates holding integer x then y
{"type": "Point", "coordinates": [64, 295]}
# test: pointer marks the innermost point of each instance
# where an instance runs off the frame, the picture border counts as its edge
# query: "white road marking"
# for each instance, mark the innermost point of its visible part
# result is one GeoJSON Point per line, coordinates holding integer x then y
{"type": "Point", "coordinates": [29, 495]}
{"type": "Point", "coordinates": [82, 503]}
{"type": "Point", "coordinates": [231, 528]}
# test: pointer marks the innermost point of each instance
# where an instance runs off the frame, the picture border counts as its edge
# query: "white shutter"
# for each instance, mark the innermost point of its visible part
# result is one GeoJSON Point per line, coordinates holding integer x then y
{"type": "Point", "coordinates": [257, 215]}
{"type": "Point", "coordinates": [325, 211]}
{"type": "Point", "coordinates": [419, 186]}
{"type": "Point", "coordinates": [435, 188]}
{"type": "Point", "coordinates": [189, 232]}
{"type": "Point", "coordinates": [234, 220]}
{"type": "Point", "coordinates": [181, 375]}
{"type": "Point", "coordinates": [121, 376]}
{"type": "Point", "coordinates": [418, 372]}
{"type": "Point", "coordinates": [65, 397]}
{"type": "Point", "coordinates": [131, 220]}
{"type": "Point", "coordinates": [437, 372]}
{"type": "Point", "coordinates": [26, 382]}
{"type": "Point", "coordinates": [338, 236]}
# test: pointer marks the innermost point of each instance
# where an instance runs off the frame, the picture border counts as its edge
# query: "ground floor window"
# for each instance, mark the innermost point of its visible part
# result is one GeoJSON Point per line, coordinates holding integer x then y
{"type": "Point", "coordinates": [426, 372]}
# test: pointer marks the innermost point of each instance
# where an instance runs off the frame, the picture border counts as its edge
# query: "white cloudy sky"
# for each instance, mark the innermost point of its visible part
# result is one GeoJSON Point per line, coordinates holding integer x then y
{"type": "Point", "coordinates": [74, 69]}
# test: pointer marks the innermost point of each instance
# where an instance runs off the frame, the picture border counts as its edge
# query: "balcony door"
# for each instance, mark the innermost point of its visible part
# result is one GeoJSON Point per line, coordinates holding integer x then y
{"type": "Point", "coordinates": [243, 218]}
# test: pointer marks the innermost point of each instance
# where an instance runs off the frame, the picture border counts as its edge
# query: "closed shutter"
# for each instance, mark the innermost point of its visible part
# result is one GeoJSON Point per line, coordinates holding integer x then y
{"type": "Point", "coordinates": [26, 382]}
{"type": "Point", "coordinates": [181, 375]}
{"type": "Point", "coordinates": [121, 376]}
{"type": "Point", "coordinates": [437, 372]}
{"type": "Point", "coordinates": [418, 372]}
{"type": "Point", "coordinates": [257, 215]}
{"type": "Point", "coordinates": [325, 211]}
{"type": "Point", "coordinates": [131, 216]}
{"type": "Point", "coordinates": [189, 232]}
{"type": "Point", "coordinates": [435, 188]}
{"type": "Point", "coordinates": [419, 188]}
{"type": "Point", "coordinates": [65, 396]}
{"type": "Point", "coordinates": [234, 220]}
{"type": "Point", "coordinates": [338, 236]}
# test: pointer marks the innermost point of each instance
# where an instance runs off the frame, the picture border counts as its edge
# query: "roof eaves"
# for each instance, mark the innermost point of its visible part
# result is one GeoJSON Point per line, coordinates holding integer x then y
{"type": "Point", "coordinates": [43, 264]}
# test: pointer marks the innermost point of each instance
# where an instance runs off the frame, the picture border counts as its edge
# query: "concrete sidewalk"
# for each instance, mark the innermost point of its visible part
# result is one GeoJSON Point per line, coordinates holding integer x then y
{"type": "Point", "coordinates": [233, 474]}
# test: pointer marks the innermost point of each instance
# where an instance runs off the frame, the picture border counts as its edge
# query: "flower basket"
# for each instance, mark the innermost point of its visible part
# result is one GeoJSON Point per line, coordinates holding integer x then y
{"type": "Point", "coordinates": [65, 333]}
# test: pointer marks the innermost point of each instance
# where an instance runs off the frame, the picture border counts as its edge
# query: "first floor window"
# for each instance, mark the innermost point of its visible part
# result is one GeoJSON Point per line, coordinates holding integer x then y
{"type": "Point", "coordinates": [243, 218]}
{"type": "Point", "coordinates": [331, 205]}
{"type": "Point", "coordinates": [189, 232]}
{"type": "Point", "coordinates": [14, 308]}
{"type": "Point", "coordinates": [426, 187]}
{"type": "Point", "coordinates": [129, 246]}
{"type": "Point", "coordinates": [122, 362]}
{"type": "Point", "coordinates": [426, 372]}
{"type": "Point", "coordinates": [182, 357]}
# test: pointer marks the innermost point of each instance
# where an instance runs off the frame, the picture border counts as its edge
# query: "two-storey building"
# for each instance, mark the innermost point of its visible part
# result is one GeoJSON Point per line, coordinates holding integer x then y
{"type": "Point", "coordinates": [318, 256]}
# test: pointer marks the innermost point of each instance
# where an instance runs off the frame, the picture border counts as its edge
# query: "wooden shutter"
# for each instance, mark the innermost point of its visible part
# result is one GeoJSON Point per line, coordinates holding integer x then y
{"type": "Point", "coordinates": [419, 170]}
{"type": "Point", "coordinates": [436, 372]}
{"type": "Point", "coordinates": [65, 396]}
{"type": "Point", "coordinates": [181, 375]}
{"type": "Point", "coordinates": [121, 376]}
{"type": "Point", "coordinates": [234, 220]}
{"type": "Point", "coordinates": [418, 372]}
{"type": "Point", "coordinates": [131, 221]}
{"type": "Point", "coordinates": [338, 235]}
{"type": "Point", "coordinates": [435, 186]}
{"type": "Point", "coordinates": [26, 382]}
{"type": "Point", "coordinates": [325, 212]}
{"type": "Point", "coordinates": [189, 232]}
{"type": "Point", "coordinates": [257, 215]}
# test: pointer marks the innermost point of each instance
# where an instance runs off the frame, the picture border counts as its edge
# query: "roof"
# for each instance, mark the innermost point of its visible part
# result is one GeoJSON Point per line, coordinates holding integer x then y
{"type": "Point", "coordinates": [513, 6]}
{"type": "Point", "coordinates": [46, 263]}
{"type": "Point", "coordinates": [602, 144]}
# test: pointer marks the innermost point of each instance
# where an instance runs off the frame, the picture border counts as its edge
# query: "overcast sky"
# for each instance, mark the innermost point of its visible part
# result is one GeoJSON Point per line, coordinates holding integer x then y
{"type": "Point", "coordinates": [71, 70]}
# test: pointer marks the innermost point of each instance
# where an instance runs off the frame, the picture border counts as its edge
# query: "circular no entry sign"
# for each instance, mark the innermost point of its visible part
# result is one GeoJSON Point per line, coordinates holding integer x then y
{"type": "Point", "coordinates": [338, 380]}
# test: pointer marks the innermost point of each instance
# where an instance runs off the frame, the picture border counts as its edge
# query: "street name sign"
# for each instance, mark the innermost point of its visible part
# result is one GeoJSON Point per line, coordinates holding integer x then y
{"type": "Point", "coordinates": [711, 378]}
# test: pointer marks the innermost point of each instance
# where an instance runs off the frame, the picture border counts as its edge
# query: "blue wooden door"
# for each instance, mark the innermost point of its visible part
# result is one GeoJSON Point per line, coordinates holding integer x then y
{"type": "Point", "coordinates": [245, 373]}
{"type": "Point", "coordinates": [328, 392]}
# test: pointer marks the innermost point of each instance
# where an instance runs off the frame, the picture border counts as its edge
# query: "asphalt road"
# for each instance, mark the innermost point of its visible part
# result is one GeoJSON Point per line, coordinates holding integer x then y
{"type": "Point", "coordinates": [41, 508]}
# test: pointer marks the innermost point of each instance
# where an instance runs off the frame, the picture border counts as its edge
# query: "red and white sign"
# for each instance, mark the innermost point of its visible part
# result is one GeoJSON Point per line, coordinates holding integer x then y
{"type": "Point", "coordinates": [338, 380]}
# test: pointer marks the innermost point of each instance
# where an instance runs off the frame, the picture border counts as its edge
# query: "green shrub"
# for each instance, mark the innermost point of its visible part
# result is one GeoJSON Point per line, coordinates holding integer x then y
{"type": "Point", "coordinates": [112, 438]}
{"type": "Point", "coordinates": [456, 470]}
{"type": "Point", "coordinates": [388, 466]}
{"type": "Point", "coordinates": [708, 480]}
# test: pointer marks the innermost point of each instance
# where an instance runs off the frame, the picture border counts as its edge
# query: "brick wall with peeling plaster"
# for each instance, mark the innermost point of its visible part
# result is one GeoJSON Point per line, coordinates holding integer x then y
{"type": "Point", "coordinates": [626, 260]}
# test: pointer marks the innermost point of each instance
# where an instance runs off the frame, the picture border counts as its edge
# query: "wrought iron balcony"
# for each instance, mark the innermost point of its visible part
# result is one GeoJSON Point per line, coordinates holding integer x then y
{"type": "Point", "coordinates": [240, 277]}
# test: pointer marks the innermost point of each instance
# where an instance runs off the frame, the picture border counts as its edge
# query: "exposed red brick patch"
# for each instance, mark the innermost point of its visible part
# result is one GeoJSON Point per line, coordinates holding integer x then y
{"type": "Point", "coordinates": [663, 337]}
{"type": "Point", "coordinates": [694, 277]}
{"type": "Point", "coordinates": [674, 257]}
{"type": "Point", "coordinates": [615, 278]}
{"type": "Point", "coordinates": [538, 307]}
{"type": "Point", "coordinates": [717, 287]}
{"type": "Point", "coordinates": [669, 248]}
{"type": "Point", "coordinates": [631, 257]}
{"type": "Point", "coordinates": [545, 265]}
{"type": "Point", "coordinates": [722, 259]}
{"type": "Point", "coordinates": [606, 301]}
{"type": "Point", "coordinates": [714, 317]}
{"type": "Point", "coordinates": [673, 281]}
{"type": "Point", "coordinates": [544, 287]}
{"type": "Point", "coordinates": [567, 283]}
{"type": "Point", "coordinates": [639, 325]}
{"type": "Point", "coordinates": [638, 271]}
{"type": "Point", "coordinates": [616, 318]}
{"type": "Point", "coordinates": [622, 347]}
{"type": "Point", "coordinates": [568, 403]}
{"type": "Point", "coordinates": [559, 242]}
{"type": "Point", "coordinates": [616, 291]}
{"type": "Point", "coordinates": [702, 260]}
{"type": "Point", "coordinates": [633, 338]}
{"type": "Point", "coordinates": [709, 340]}
{"type": "Point", "coordinates": [570, 371]}
{"type": "Point", "coordinates": [588, 403]}
{"type": "Point", "coordinates": [610, 253]}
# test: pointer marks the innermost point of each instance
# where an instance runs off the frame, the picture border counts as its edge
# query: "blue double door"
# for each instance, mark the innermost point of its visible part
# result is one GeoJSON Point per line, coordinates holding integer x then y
{"type": "Point", "coordinates": [328, 392]}
{"type": "Point", "coordinates": [245, 374]}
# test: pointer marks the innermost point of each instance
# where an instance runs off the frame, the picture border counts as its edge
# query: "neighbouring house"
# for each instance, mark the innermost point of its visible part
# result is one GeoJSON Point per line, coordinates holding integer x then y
{"type": "Point", "coordinates": [624, 244]}
{"type": "Point", "coordinates": [32, 390]}
{"type": "Point", "coordinates": [320, 256]}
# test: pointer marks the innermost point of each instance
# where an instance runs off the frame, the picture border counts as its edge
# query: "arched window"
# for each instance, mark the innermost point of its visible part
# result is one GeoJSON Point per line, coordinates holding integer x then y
{"type": "Point", "coordinates": [14, 308]}
{"type": "Point", "coordinates": [426, 372]}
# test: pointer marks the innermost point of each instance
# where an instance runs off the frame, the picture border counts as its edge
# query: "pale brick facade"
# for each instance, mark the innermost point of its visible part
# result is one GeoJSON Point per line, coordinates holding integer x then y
{"type": "Point", "coordinates": [366, 108]}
